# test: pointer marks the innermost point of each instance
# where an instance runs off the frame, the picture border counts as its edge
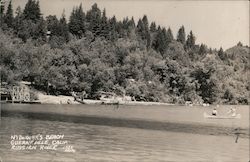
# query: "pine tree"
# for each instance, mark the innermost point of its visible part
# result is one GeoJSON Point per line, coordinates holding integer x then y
{"type": "Point", "coordinates": [190, 43]}
{"type": "Point", "coordinates": [164, 34]}
{"type": "Point", "coordinates": [17, 19]}
{"type": "Point", "coordinates": [131, 28]}
{"type": "Point", "coordinates": [140, 27]}
{"type": "Point", "coordinates": [9, 18]}
{"type": "Point", "coordinates": [169, 36]}
{"type": "Point", "coordinates": [32, 11]}
{"type": "Point", "coordinates": [73, 26]}
{"type": "Point", "coordinates": [132, 22]}
{"type": "Point", "coordinates": [124, 27]}
{"type": "Point", "coordinates": [153, 27]}
{"type": "Point", "coordinates": [143, 29]}
{"type": "Point", "coordinates": [1, 7]}
{"type": "Point", "coordinates": [148, 39]}
{"type": "Point", "coordinates": [77, 22]}
{"type": "Point", "coordinates": [63, 28]}
{"type": "Point", "coordinates": [94, 19]}
{"type": "Point", "coordinates": [1, 11]}
{"type": "Point", "coordinates": [221, 54]}
{"type": "Point", "coordinates": [239, 44]}
{"type": "Point", "coordinates": [113, 25]}
{"type": "Point", "coordinates": [160, 44]}
{"type": "Point", "coordinates": [39, 30]}
{"type": "Point", "coordinates": [145, 22]}
{"type": "Point", "coordinates": [52, 24]}
{"type": "Point", "coordinates": [203, 49]}
{"type": "Point", "coordinates": [181, 36]}
{"type": "Point", "coordinates": [104, 32]}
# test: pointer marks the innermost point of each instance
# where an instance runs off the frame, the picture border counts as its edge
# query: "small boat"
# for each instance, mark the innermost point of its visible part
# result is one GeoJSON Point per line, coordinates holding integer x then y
{"type": "Point", "coordinates": [237, 116]}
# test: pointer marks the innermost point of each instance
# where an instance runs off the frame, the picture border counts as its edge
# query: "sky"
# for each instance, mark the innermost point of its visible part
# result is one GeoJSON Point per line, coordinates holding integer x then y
{"type": "Point", "coordinates": [215, 23]}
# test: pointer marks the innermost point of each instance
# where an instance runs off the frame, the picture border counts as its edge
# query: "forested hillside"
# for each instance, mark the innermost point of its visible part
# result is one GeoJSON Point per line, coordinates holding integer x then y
{"type": "Point", "coordinates": [92, 52]}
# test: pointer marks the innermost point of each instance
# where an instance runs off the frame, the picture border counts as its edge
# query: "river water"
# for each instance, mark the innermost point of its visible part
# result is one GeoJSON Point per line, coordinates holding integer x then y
{"type": "Point", "coordinates": [97, 141]}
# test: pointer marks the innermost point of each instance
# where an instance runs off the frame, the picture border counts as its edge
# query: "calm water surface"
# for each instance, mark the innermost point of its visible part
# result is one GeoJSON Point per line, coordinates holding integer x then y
{"type": "Point", "coordinates": [108, 143]}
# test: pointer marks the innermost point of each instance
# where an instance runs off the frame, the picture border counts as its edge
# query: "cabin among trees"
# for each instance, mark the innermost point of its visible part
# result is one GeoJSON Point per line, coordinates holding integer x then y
{"type": "Point", "coordinates": [92, 52]}
{"type": "Point", "coordinates": [16, 93]}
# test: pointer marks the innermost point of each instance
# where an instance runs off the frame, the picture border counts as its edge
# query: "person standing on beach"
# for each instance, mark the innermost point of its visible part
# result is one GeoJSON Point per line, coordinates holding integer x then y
{"type": "Point", "coordinates": [214, 112]}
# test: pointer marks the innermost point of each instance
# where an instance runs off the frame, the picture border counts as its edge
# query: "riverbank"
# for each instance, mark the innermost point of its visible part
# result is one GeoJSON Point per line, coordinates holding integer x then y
{"type": "Point", "coordinates": [50, 99]}
{"type": "Point", "coordinates": [61, 99]}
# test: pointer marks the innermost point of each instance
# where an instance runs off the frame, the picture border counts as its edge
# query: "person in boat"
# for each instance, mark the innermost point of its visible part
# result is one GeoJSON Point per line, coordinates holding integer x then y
{"type": "Point", "coordinates": [214, 112]}
{"type": "Point", "coordinates": [232, 111]}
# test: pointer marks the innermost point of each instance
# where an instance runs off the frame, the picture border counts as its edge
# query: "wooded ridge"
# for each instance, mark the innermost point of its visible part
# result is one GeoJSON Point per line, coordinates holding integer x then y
{"type": "Point", "coordinates": [92, 52]}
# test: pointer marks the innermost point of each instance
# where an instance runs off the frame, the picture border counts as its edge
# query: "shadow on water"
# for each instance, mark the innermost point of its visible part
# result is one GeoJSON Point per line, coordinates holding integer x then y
{"type": "Point", "coordinates": [128, 123]}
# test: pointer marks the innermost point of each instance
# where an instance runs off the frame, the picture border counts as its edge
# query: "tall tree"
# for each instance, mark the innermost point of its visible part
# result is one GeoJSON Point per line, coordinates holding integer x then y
{"type": "Point", "coordinates": [9, 18]}
{"type": "Point", "coordinates": [190, 40]}
{"type": "Point", "coordinates": [113, 25]}
{"type": "Point", "coordinates": [160, 44]}
{"type": "Point", "coordinates": [145, 22]}
{"type": "Point", "coordinates": [93, 17]}
{"type": "Point", "coordinates": [1, 11]}
{"type": "Point", "coordinates": [18, 19]}
{"type": "Point", "coordinates": [39, 30]}
{"type": "Point", "coordinates": [153, 27]}
{"type": "Point", "coordinates": [221, 54]}
{"type": "Point", "coordinates": [63, 28]}
{"type": "Point", "coordinates": [104, 25]}
{"type": "Point", "coordinates": [207, 84]}
{"type": "Point", "coordinates": [181, 36]}
{"type": "Point", "coordinates": [77, 22]}
{"type": "Point", "coordinates": [169, 36]}
{"type": "Point", "coordinates": [1, 7]}
{"type": "Point", "coordinates": [203, 49]}
{"type": "Point", "coordinates": [32, 11]}
{"type": "Point", "coordinates": [239, 44]}
{"type": "Point", "coordinates": [52, 24]}
{"type": "Point", "coordinates": [132, 22]}
{"type": "Point", "coordinates": [142, 28]}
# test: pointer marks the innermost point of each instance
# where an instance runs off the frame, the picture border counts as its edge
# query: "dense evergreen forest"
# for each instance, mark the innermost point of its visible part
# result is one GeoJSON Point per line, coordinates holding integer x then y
{"type": "Point", "coordinates": [92, 52]}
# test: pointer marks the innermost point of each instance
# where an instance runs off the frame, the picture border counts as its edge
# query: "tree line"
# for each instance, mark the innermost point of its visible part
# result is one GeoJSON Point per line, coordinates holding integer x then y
{"type": "Point", "coordinates": [92, 52]}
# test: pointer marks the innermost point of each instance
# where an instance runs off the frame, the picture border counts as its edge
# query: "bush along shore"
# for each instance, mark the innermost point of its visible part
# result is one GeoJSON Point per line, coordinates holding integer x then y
{"type": "Point", "coordinates": [92, 52]}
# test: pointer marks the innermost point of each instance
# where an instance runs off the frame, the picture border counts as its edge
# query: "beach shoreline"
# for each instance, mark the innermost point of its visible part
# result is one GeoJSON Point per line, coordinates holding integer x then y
{"type": "Point", "coordinates": [62, 99]}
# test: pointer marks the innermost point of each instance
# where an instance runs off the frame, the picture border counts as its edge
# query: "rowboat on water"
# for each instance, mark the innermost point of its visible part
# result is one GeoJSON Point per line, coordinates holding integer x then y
{"type": "Point", "coordinates": [237, 116]}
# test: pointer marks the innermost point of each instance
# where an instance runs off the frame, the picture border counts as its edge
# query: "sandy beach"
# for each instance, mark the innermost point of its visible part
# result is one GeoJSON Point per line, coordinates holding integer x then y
{"type": "Point", "coordinates": [50, 99]}
{"type": "Point", "coordinates": [61, 99]}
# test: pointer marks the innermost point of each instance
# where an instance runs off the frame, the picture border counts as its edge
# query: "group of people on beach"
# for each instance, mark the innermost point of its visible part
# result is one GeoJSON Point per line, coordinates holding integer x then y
{"type": "Point", "coordinates": [231, 112]}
